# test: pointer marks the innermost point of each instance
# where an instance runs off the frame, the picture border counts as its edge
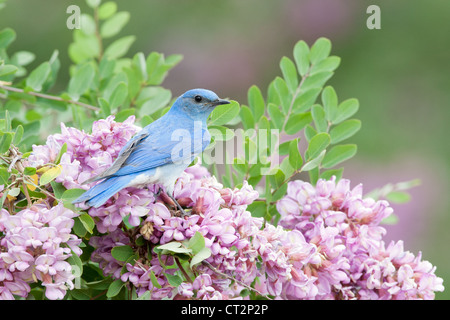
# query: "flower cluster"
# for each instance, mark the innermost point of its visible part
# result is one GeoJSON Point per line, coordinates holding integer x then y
{"type": "Point", "coordinates": [87, 154]}
{"type": "Point", "coordinates": [36, 244]}
{"type": "Point", "coordinates": [218, 213]}
{"type": "Point", "coordinates": [354, 261]}
{"type": "Point", "coordinates": [328, 243]}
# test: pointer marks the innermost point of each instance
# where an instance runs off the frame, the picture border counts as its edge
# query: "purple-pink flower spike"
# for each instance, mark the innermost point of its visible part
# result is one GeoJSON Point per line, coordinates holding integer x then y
{"type": "Point", "coordinates": [328, 243]}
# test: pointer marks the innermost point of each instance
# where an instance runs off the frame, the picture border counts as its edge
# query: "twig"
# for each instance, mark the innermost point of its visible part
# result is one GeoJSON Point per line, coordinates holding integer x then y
{"type": "Point", "coordinates": [182, 270]}
{"type": "Point", "coordinates": [49, 97]}
{"type": "Point", "coordinates": [27, 195]}
{"type": "Point", "coordinates": [214, 269]}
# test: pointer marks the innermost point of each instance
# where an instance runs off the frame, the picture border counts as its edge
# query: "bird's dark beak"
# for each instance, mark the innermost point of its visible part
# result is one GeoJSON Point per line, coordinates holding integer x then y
{"type": "Point", "coordinates": [220, 101]}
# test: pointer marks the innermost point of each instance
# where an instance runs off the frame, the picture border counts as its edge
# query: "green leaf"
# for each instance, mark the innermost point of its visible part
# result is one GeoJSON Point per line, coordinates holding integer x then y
{"type": "Point", "coordinates": [305, 100]}
{"type": "Point", "coordinates": [297, 122]}
{"type": "Point", "coordinates": [100, 284]}
{"type": "Point", "coordinates": [153, 99]}
{"type": "Point", "coordinates": [87, 222]}
{"type": "Point", "coordinates": [174, 246]}
{"type": "Point", "coordinates": [106, 68]}
{"type": "Point", "coordinates": [72, 194]}
{"type": "Point", "coordinates": [277, 178]}
{"type": "Point", "coordinates": [50, 175]}
{"type": "Point", "coordinates": [120, 47]}
{"type": "Point", "coordinates": [23, 58]}
{"type": "Point", "coordinates": [5, 142]}
{"type": "Point", "coordinates": [29, 171]}
{"type": "Point", "coordinates": [106, 10]}
{"type": "Point", "coordinates": [345, 110]}
{"type": "Point", "coordinates": [81, 81]}
{"type": "Point", "coordinates": [114, 288]}
{"type": "Point", "coordinates": [333, 172]}
{"type": "Point", "coordinates": [390, 220]}
{"type": "Point", "coordinates": [158, 67]}
{"type": "Point", "coordinates": [398, 197]}
{"type": "Point", "coordinates": [173, 60]}
{"type": "Point", "coordinates": [93, 3]}
{"type": "Point", "coordinates": [61, 152]}
{"type": "Point", "coordinates": [75, 261]}
{"type": "Point", "coordinates": [87, 24]}
{"type": "Point", "coordinates": [318, 115]}
{"type": "Point", "coordinates": [124, 114]}
{"type": "Point", "coordinates": [203, 254]}
{"type": "Point", "coordinates": [310, 132]}
{"type": "Point", "coordinates": [174, 280]}
{"type": "Point", "coordinates": [314, 163]}
{"type": "Point", "coordinates": [38, 76]}
{"type": "Point", "coordinates": [14, 192]}
{"type": "Point", "coordinates": [317, 144]}
{"type": "Point", "coordinates": [246, 117]}
{"type": "Point", "coordinates": [7, 69]}
{"type": "Point", "coordinates": [295, 158]}
{"type": "Point", "coordinates": [284, 95]}
{"type": "Point", "coordinates": [114, 24]}
{"type": "Point", "coordinates": [330, 102]}
{"type": "Point", "coordinates": [345, 130]}
{"type": "Point", "coordinates": [32, 115]}
{"type": "Point", "coordinates": [256, 102]}
{"type": "Point", "coordinates": [58, 189]}
{"type": "Point", "coordinates": [84, 47]}
{"type": "Point", "coordinates": [301, 57]}
{"type": "Point", "coordinates": [154, 280]}
{"type": "Point", "coordinates": [118, 96]}
{"type": "Point", "coordinates": [7, 36]}
{"type": "Point", "coordinates": [196, 243]}
{"type": "Point", "coordinates": [328, 64]}
{"type": "Point", "coordinates": [104, 106]}
{"type": "Point", "coordinates": [140, 65]}
{"type": "Point", "coordinates": [4, 176]}
{"type": "Point", "coordinates": [317, 80]}
{"type": "Point", "coordinates": [258, 209]}
{"type": "Point", "coordinates": [320, 50]}
{"type": "Point", "coordinates": [122, 253]}
{"type": "Point", "coordinates": [222, 114]}
{"type": "Point", "coordinates": [220, 133]}
{"type": "Point", "coordinates": [289, 73]}
{"type": "Point", "coordinates": [276, 116]}
{"type": "Point", "coordinates": [338, 154]}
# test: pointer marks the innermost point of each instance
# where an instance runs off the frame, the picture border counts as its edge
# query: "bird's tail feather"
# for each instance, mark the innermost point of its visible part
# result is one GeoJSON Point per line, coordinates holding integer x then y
{"type": "Point", "coordinates": [100, 193]}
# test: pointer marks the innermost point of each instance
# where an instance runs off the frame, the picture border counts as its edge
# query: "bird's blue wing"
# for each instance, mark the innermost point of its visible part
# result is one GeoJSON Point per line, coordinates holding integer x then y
{"type": "Point", "coordinates": [153, 147]}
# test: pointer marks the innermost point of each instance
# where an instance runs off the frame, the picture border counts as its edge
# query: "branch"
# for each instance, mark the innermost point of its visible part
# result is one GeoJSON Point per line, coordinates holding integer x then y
{"type": "Point", "coordinates": [211, 267]}
{"type": "Point", "coordinates": [47, 96]}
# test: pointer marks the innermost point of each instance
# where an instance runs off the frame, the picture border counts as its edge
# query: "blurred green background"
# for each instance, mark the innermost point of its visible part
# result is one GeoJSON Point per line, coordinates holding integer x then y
{"type": "Point", "coordinates": [400, 74]}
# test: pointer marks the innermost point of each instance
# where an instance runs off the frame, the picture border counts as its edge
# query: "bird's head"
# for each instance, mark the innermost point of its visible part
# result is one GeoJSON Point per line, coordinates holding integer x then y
{"type": "Point", "coordinates": [197, 103]}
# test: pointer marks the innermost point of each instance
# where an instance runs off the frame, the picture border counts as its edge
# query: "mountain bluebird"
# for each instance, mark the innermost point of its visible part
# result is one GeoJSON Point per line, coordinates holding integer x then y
{"type": "Point", "coordinates": [160, 152]}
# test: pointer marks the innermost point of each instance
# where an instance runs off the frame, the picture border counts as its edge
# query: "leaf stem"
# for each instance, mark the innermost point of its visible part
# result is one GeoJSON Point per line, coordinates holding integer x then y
{"type": "Point", "coordinates": [49, 97]}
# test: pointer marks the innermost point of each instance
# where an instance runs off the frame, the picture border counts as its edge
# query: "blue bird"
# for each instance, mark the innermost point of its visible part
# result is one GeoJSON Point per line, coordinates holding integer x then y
{"type": "Point", "coordinates": [160, 152]}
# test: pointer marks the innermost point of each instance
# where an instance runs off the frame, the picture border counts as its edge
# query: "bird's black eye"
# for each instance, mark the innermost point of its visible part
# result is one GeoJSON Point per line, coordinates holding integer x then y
{"type": "Point", "coordinates": [198, 98]}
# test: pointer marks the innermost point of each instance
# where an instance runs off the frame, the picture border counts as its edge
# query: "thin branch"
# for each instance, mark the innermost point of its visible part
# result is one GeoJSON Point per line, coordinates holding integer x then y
{"type": "Point", "coordinates": [211, 267]}
{"type": "Point", "coordinates": [182, 269]}
{"type": "Point", "coordinates": [49, 97]}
